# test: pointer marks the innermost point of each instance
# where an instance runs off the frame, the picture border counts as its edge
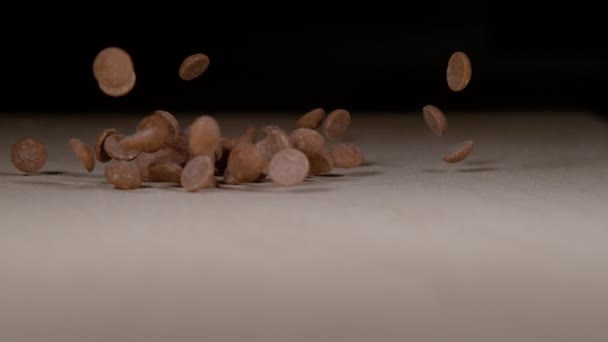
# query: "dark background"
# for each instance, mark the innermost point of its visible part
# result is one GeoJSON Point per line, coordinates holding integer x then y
{"type": "Point", "coordinates": [294, 58]}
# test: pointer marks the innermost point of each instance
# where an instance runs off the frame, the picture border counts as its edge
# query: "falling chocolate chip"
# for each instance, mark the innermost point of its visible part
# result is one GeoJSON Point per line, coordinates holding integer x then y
{"type": "Point", "coordinates": [84, 153]}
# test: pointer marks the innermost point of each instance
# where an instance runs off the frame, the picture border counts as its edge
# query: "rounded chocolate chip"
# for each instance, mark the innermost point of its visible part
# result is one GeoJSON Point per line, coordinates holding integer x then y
{"type": "Point", "coordinates": [336, 124]}
{"type": "Point", "coordinates": [288, 167]}
{"type": "Point", "coordinates": [346, 155]}
{"type": "Point", "coordinates": [193, 66]}
{"type": "Point", "coordinates": [435, 120]}
{"type": "Point", "coordinates": [28, 155]}
{"type": "Point", "coordinates": [458, 72]}
{"type": "Point", "coordinates": [84, 153]}
{"type": "Point", "coordinates": [459, 152]}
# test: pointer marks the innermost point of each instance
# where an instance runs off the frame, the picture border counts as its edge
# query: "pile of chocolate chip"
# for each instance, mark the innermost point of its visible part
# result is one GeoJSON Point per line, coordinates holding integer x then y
{"type": "Point", "coordinates": [199, 156]}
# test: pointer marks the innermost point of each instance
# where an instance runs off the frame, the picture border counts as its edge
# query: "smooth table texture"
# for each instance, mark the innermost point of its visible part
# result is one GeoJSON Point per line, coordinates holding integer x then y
{"type": "Point", "coordinates": [510, 245]}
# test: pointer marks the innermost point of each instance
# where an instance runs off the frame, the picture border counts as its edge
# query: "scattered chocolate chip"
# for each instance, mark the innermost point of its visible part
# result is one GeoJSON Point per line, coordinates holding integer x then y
{"type": "Point", "coordinates": [113, 69]}
{"type": "Point", "coordinates": [199, 174]}
{"type": "Point", "coordinates": [346, 155]}
{"type": "Point", "coordinates": [113, 147]}
{"type": "Point", "coordinates": [459, 153]}
{"type": "Point", "coordinates": [165, 171]}
{"type": "Point", "coordinates": [459, 71]}
{"type": "Point", "coordinates": [204, 137]}
{"type": "Point", "coordinates": [288, 167]}
{"type": "Point", "coordinates": [151, 135]}
{"type": "Point", "coordinates": [435, 120]}
{"type": "Point", "coordinates": [320, 163]}
{"type": "Point", "coordinates": [307, 140]}
{"type": "Point", "coordinates": [193, 66]}
{"type": "Point", "coordinates": [100, 152]}
{"type": "Point", "coordinates": [28, 155]}
{"type": "Point", "coordinates": [336, 124]}
{"type": "Point", "coordinates": [312, 119]}
{"type": "Point", "coordinates": [122, 174]}
{"type": "Point", "coordinates": [84, 153]}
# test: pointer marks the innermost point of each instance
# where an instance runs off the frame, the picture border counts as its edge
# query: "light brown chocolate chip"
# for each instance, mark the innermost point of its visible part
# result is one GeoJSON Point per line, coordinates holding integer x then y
{"type": "Point", "coordinates": [193, 66]}
{"type": "Point", "coordinates": [245, 163]}
{"type": "Point", "coordinates": [122, 174]}
{"type": "Point", "coordinates": [435, 120]}
{"type": "Point", "coordinates": [119, 91]}
{"type": "Point", "coordinates": [288, 167]}
{"type": "Point", "coordinates": [458, 72]}
{"type": "Point", "coordinates": [28, 155]}
{"type": "Point", "coordinates": [228, 144]}
{"type": "Point", "coordinates": [307, 140]}
{"type": "Point", "coordinates": [113, 147]}
{"type": "Point", "coordinates": [312, 119]}
{"type": "Point", "coordinates": [113, 69]}
{"type": "Point", "coordinates": [336, 124]}
{"type": "Point", "coordinates": [459, 153]}
{"type": "Point", "coordinates": [84, 153]}
{"type": "Point", "coordinates": [145, 159]}
{"type": "Point", "coordinates": [100, 152]}
{"type": "Point", "coordinates": [346, 155]}
{"type": "Point", "coordinates": [151, 135]}
{"type": "Point", "coordinates": [164, 171]}
{"type": "Point", "coordinates": [276, 140]}
{"type": "Point", "coordinates": [172, 123]}
{"type": "Point", "coordinates": [320, 163]}
{"type": "Point", "coordinates": [199, 174]}
{"type": "Point", "coordinates": [204, 137]}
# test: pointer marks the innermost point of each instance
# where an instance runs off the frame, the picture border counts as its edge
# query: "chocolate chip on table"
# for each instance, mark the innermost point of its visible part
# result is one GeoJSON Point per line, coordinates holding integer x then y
{"type": "Point", "coordinates": [113, 147]}
{"type": "Point", "coordinates": [165, 171]}
{"type": "Point", "coordinates": [336, 124]}
{"type": "Point", "coordinates": [113, 69]}
{"type": "Point", "coordinates": [199, 173]}
{"type": "Point", "coordinates": [346, 155]}
{"type": "Point", "coordinates": [459, 153]}
{"type": "Point", "coordinates": [288, 167]}
{"type": "Point", "coordinates": [245, 163]}
{"type": "Point", "coordinates": [320, 163]}
{"type": "Point", "coordinates": [458, 72]}
{"type": "Point", "coordinates": [152, 134]}
{"type": "Point", "coordinates": [28, 155]}
{"type": "Point", "coordinates": [164, 155]}
{"type": "Point", "coordinates": [100, 152]}
{"type": "Point", "coordinates": [435, 120]}
{"type": "Point", "coordinates": [172, 124]}
{"type": "Point", "coordinates": [193, 66]}
{"type": "Point", "coordinates": [312, 119]}
{"type": "Point", "coordinates": [204, 137]}
{"type": "Point", "coordinates": [122, 174]}
{"type": "Point", "coordinates": [307, 140]}
{"type": "Point", "coordinates": [84, 153]}
{"type": "Point", "coordinates": [276, 139]}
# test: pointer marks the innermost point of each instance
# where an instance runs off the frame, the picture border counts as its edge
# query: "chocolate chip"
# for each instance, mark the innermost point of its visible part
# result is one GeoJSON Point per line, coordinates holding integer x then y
{"type": "Point", "coordinates": [84, 153]}
{"type": "Point", "coordinates": [100, 152]}
{"type": "Point", "coordinates": [164, 171]}
{"type": "Point", "coordinates": [123, 174]}
{"type": "Point", "coordinates": [151, 135]}
{"type": "Point", "coordinates": [245, 162]}
{"type": "Point", "coordinates": [307, 140]}
{"type": "Point", "coordinates": [113, 69]}
{"type": "Point", "coordinates": [346, 155]}
{"type": "Point", "coordinates": [312, 119]}
{"type": "Point", "coordinates": [459, 153]}
{"type": "Point", "coordinates": [167, 154]}
{"type": "Point", "coordinates": [458, 73]}
{"type": "Point", "coordinates": [288, 167]}
{"type": "Point", "coordinates": [336, 124]}
{"type": "Point", "coordinates": [204, 137]}
{"type": "Point", "coordinates": [113, 147]}
{"type": "Point", "coordinates": [199, 174]}
{"type": "Point", "coordinates": [320, 163]}
{"type": "Point", "coordinates": [28, 155]}
{"type": "Point", "coordinates": [193, 66]}
{"type": "Point", "coordinates": [435, 120]}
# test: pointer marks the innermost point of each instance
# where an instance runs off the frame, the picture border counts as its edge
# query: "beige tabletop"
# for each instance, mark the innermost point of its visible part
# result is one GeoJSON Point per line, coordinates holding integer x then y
{"type": "Point", "coordinates": [509, 245]}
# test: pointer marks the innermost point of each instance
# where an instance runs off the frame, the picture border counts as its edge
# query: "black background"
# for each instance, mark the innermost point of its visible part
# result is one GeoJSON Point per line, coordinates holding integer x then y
{"type": "Point", "coordinates": [362, 57]}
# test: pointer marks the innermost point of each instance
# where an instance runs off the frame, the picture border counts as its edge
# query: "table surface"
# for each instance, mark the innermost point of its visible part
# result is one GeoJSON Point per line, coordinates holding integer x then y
{"type": "Point", "coordinates": [509, 245]}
